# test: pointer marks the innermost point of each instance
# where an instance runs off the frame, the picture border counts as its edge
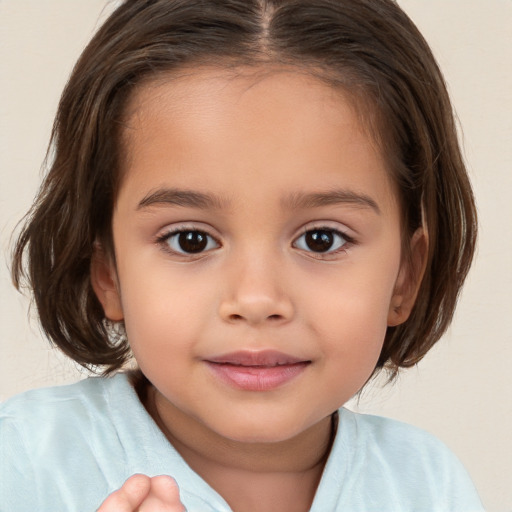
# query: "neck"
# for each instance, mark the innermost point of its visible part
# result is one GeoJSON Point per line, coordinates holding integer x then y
{"type": "Point", "coordinates": [248, 475]}
{"type": "Point", "coordinates": [194, 440]}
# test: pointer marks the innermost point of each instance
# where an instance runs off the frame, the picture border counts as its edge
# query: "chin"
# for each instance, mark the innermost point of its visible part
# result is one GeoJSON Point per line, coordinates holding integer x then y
{"type": "Point", "coordinates": [269, 431]}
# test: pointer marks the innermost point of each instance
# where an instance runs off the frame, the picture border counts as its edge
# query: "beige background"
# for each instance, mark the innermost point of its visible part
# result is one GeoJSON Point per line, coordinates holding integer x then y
{"type": "Point", "coordinates": [461, 392]}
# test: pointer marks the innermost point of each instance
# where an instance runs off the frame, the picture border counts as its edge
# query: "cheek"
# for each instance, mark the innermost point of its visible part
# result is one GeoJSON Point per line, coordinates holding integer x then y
{"type": "Point", "coordinates": [161, 313]}
{"type": "Point", "coordinates": [350, 313]}
{"type": "Point", "coordinates": [351, 346]}
{"type": "Point", "coordinates": [354, 332]}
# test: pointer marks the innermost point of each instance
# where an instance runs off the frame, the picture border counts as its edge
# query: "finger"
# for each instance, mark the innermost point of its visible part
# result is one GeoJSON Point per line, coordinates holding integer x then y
{"type": "Point", "coordinates": [129, 497]}
{"type": "Point", "coordinates": [164, 496]}
{"type": "Point", "coordinates": [165, 488]}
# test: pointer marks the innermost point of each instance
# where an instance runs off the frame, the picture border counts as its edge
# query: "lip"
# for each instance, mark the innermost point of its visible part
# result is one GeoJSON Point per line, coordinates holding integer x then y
{"type": "Point", "coordinates": [257, 371]}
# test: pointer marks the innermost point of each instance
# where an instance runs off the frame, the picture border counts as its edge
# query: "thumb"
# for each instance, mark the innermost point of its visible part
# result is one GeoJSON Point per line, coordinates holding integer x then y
{"type": "Point", "coordinates": [163, 496]}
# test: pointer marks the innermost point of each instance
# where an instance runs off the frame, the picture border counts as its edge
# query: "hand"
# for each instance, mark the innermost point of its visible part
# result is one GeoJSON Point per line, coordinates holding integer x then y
{"type": "Point", "coordinates": [140, 493]}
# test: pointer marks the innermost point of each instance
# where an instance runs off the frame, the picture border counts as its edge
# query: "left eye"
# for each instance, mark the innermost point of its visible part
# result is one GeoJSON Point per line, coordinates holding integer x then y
{"type": "Point", "coordinates": [320, 240]}
{"type": "Point", "coordinates": [190, 242]}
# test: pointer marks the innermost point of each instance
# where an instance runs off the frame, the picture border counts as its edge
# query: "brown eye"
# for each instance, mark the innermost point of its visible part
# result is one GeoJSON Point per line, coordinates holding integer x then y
{"type": "Point", "coordinates": [190, 242]}
{"type": "Point", "coordinates": [320, 240]}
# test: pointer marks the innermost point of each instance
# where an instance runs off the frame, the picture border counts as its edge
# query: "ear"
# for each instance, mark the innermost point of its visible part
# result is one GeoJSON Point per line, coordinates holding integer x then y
{"type": "Point", "coordinates": [105, 283]}
{"type": "Point", "coordinates": [409, 279]}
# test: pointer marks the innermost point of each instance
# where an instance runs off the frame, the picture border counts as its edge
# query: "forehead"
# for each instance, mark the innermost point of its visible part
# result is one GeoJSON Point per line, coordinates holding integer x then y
{"type": "Point", "coordinates": [227, 122]}
{"type": "Point", "coordinates": [230, 84]}
{"type": "Point", "coordinates": [201, 92]}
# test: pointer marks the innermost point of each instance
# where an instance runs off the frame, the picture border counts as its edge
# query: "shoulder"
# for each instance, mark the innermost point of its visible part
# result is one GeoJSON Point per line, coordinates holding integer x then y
{"type": "Point", "coordinates": [391, 435]}
{"type": "Point", "coordinates": [48, 436]}
{"type": "Point", "coordinates": [64, 413]}
{"type": "Point", "coordinates": [403, 448]}
{"type": "Point", "coordinates": [408, 463]}
{"type": "Point", "coordinates": [61, 402]}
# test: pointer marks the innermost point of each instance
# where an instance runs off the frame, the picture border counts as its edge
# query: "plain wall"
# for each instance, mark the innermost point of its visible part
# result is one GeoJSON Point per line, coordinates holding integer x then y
{"type": "Point", "coordinates": [461, 392]}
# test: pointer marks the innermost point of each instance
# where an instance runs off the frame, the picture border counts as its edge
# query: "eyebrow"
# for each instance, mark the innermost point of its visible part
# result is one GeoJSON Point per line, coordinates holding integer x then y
{"type": "Point", "coordinates": [193, 199]}
{"type": "Point", "coordinates": [179, 197]}
{"type": "Point", "coordinates": [332, 197]}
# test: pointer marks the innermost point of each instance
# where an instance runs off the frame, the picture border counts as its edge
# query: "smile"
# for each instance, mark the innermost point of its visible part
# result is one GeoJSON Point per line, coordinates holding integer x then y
{"type": "Point", "coordinates": [257, 371]}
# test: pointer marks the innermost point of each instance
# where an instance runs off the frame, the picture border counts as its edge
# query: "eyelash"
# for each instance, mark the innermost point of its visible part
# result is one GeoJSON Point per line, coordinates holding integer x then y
{"type": "Point", "coordinates": [348, 241]}
{"type": "Point", "coordinates": [164, 241]}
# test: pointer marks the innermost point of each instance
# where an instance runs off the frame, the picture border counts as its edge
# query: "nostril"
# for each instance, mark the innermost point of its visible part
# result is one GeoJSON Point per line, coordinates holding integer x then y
{"type": "Point", "coordinates": [255, 309]}
{"type": "Point", "coordinates": [236, 318]}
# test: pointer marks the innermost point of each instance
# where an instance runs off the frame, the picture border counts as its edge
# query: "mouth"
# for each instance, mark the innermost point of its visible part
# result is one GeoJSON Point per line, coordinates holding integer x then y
{"type": "Point", "coordinates": [257, 371]}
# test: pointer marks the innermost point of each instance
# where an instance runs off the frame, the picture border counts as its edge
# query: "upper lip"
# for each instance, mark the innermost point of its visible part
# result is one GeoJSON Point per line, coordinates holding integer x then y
{"type": "Point", "coordinates": [257, 358]}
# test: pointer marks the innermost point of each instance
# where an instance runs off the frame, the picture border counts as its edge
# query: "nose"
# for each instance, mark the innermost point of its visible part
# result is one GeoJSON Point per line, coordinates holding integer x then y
{"type": "Point", "coordinates": [255, 293]}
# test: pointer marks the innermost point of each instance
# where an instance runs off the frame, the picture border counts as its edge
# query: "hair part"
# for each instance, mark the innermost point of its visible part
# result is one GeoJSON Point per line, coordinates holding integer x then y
{"type": "Point", "coordinates": [368, 48]}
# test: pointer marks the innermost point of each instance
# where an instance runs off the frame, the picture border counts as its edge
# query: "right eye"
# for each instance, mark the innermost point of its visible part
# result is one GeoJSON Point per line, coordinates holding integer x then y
{"type": "Point", "coordinates": [189, 241]}
{"type": "Point", "coordinates": [321, 241]}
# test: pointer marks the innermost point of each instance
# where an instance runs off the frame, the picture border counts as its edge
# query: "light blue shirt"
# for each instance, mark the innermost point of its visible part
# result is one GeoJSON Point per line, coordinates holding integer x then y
{"type": "Point", "coordinates": [65, 449]}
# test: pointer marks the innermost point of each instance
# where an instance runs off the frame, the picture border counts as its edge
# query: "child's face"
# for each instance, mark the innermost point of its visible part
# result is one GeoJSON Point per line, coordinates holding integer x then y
{"type": "Point", "coordinates": [255, 218]}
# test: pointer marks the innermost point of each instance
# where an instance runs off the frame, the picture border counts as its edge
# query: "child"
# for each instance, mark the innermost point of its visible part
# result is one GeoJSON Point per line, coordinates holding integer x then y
{"type": "Point", "coordinates": [264, 203]}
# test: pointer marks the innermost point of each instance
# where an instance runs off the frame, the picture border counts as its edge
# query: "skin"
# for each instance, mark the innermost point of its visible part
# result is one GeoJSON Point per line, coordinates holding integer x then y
{"type": "Point", "coordinates": [144, 494]}
{"type": "Point", "coordinates": [256, 144]}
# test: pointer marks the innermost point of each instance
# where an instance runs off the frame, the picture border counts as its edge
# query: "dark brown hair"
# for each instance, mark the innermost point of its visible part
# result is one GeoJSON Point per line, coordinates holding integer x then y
{"type": "Point", "coordinates": [369, 48]}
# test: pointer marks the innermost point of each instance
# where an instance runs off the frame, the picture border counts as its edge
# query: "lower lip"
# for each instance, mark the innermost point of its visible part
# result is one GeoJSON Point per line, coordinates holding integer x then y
{"type": "Point", "coordinates": [257, 378]}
